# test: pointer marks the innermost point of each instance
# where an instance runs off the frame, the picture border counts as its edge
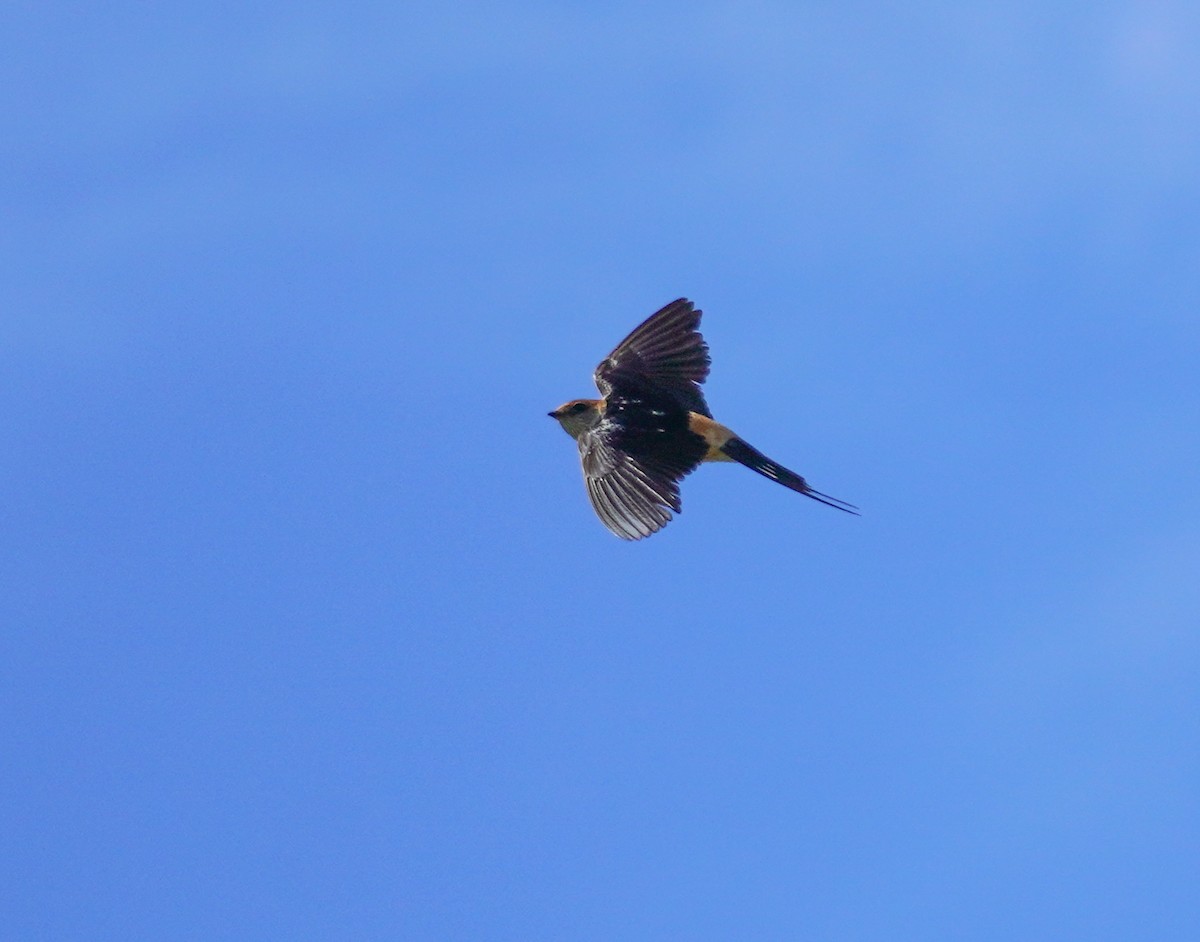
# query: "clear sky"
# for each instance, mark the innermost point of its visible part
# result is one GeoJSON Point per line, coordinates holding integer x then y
{"type": "Point", "coordinates": [308, 630]}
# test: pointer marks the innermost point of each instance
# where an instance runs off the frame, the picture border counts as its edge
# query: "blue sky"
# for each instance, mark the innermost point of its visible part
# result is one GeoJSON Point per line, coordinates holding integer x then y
{"type": "Point", "coordinates": [308, 629]}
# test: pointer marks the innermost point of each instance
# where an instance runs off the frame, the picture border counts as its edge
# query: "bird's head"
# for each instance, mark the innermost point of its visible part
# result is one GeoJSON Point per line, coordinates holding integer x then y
{"type": "Point", "coordinates": [579, 415]}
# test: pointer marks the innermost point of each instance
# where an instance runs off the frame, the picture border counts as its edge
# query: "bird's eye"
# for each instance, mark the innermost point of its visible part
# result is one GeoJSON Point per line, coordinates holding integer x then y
{"type": "Point", "coordinates": [579, 407]}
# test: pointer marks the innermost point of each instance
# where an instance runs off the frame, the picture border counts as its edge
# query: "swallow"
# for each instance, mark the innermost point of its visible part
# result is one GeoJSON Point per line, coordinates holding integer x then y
{"type": "Point", "coordinates": [652, 427]}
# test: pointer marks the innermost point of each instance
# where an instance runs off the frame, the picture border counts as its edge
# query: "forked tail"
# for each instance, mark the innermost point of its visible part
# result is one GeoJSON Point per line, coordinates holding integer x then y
{"type": "Point", "coordinates": [754, 459]}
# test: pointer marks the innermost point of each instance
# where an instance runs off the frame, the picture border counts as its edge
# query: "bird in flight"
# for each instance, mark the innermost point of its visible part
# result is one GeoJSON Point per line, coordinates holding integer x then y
{"type": "Point", "coordinates": [653, 427]}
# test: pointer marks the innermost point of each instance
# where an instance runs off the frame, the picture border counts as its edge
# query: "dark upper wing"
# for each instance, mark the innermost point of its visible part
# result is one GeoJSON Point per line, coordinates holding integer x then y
{"type": "Point", "coordinates": [633, 462]}
{"type": "Point", "coordinates": [667, 352]}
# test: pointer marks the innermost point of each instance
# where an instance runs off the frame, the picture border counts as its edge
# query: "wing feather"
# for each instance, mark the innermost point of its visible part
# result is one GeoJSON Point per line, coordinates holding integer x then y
{"type": "Point", "coordinates": [667, 352]}
{"type": "Point", "coordinates": [633, 494]}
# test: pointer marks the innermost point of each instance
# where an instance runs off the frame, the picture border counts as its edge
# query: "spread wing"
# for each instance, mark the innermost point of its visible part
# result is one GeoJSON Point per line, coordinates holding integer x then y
{"type": "Point", "coordinates": [632, 469]}
{"type": "Point", "coordinates": [666, 352]}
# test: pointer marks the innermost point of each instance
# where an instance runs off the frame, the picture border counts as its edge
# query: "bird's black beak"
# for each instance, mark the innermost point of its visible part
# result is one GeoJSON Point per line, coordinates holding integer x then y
{"type": "Point", "coordinates": [553, 415]}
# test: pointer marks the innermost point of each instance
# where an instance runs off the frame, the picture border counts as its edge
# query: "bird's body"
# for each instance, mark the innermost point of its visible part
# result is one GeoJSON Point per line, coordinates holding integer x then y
{"type": "Point", "coordinates": [653, 427]}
